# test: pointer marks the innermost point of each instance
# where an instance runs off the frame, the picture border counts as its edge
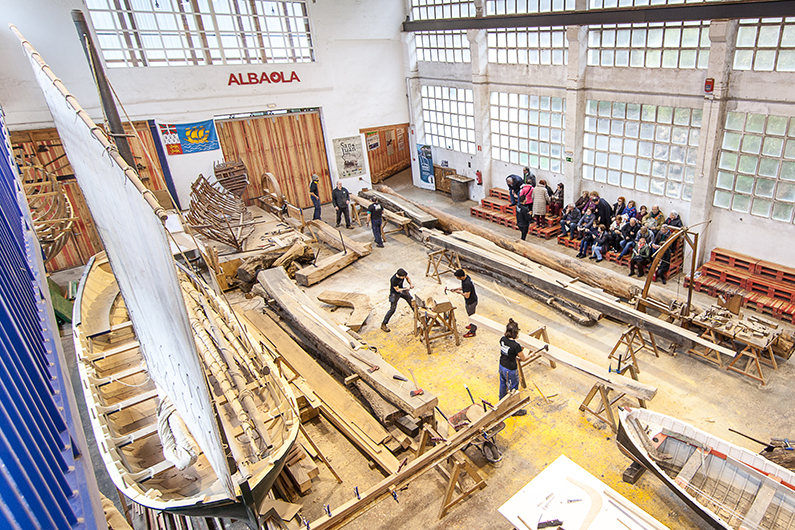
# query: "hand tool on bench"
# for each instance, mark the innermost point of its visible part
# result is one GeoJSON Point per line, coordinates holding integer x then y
{"type": "Point", "coordinates": [399, 377]}
{"type": "Point", "coordinates": [419, 391]}
{"type": "Point", "coordinates": [371, 367]}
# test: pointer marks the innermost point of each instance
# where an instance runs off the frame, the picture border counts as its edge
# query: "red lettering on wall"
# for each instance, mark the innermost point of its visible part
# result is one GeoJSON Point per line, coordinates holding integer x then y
{"type": "Point", "coordinates": [252, 78]}
{"type": "Point", "coordinates": [233, 80]}
{"type": "Point", "coordinates": [294, 76]}
{"type": "Point", "coordinates": [276, 77]}
{"type": "Point", "coordinates": [264, 78]}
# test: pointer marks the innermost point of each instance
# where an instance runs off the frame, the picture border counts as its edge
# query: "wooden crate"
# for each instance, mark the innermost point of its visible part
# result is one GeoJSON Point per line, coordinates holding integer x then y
{"type": "Point", "coordinates": [775, 272]}
{"type": "Point", "coordinates": [441, 180]}
{"type": "Point", "coordinates": [733, 260]}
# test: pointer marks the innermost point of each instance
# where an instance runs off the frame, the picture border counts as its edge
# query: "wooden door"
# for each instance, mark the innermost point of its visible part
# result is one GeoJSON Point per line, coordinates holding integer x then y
{"type": "Point", "coordinates": [290, 146]}
{"type": "Point", "coordinates": [392, 154]}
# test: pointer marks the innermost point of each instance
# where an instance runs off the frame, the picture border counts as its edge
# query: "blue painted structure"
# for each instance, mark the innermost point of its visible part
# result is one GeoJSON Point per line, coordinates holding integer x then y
{"type": "Point", "coordinates": [46, 477]}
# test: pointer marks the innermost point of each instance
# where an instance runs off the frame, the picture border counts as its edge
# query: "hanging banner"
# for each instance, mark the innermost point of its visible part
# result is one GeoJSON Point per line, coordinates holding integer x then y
{"type": "Point", "coordinates": [349, 154]}
{"type": "Point", "coordinates": [400, 142]}
{"type": "Point", "coordinates": [426, 167]}
{"type": "Point", "coordinates": [390, 141]}
{"type": "Point", "coordinates": [187, 138]}
{"type": "Point", "coordinates": [373, 141]}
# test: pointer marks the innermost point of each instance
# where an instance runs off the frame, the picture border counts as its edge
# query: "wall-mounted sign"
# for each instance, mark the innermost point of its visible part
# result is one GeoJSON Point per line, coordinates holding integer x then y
{"type": "Point", "coordinates": [390, 141]}
{"type": "Point", "coordinates": [186, 138]}
{"type": "Point", "coordinates": [400, 142]}
{"type": "Point", "coordinates": [426, 167]}
{"type": "Point", "coordinates": [373, 141]}
{"type": "Point", "coordinates": [349, 155]}
{"type": "Point", "coordinates": [253, 78]}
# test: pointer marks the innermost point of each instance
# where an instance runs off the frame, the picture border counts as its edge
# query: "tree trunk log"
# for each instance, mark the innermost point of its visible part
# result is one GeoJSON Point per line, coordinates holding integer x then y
{"type": "Point", "coordinates": [384, 411]}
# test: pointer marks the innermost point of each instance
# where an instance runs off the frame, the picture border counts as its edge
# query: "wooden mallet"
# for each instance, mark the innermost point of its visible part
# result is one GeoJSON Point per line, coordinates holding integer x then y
{"type": "Point", "coordinates": [419, 391]}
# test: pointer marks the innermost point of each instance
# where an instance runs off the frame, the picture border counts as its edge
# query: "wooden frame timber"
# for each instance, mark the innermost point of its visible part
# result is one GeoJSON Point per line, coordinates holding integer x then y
{"type": "Point", "coordinates": [606, 402]}
{"type": "Point", "coordinates": [643, 301]}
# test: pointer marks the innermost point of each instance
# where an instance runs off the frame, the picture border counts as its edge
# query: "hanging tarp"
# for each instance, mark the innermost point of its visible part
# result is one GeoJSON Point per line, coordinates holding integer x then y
{"type": "Point", "coordinates": [139, 254]}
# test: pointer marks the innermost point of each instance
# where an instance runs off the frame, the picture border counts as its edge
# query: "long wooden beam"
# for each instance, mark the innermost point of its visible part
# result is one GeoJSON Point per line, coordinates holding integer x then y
{"type": "Point", "coordinates": [323, 268]}
{"type": "Point", "coordinates": [402, 206]}
{"type": "Point", "coordinates": [438, 454]}
{"type": "Point", "coordinates": [339, 241]}
{"type": "Point", "coordinates": [632, 388]}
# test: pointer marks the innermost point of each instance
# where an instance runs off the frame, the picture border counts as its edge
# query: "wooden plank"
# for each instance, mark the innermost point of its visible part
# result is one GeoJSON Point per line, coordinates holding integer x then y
{"type": "Point", "coordinates": [323, 268]}
{"type": "Point", "coordinates": [305, 314]}
{"type": "Point", "coordinates": [331, 237]}
{"type": "Point", "coordinates": [359, 302]}
{"type": "Point", "coordinates": [690, 468]}
{"type": "Point", "coordinates": [325, 387]}
{"type": "Point", "coordinates": [631, 387]}
{"type": "Point", "coordinates": [401, 206]}
{"type": "Point", "coordinates": [761, 503]}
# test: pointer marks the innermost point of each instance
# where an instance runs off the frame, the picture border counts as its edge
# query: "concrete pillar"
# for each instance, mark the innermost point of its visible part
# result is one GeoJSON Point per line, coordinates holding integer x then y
{"type": "Point", "coordinates": [722, 36]}
{"type": "Point", "coordinates": [480, 88]}
{"type": "Point", "coordinates": [575, 110]}
{"type": "Point", "coordinates": [414, 97]}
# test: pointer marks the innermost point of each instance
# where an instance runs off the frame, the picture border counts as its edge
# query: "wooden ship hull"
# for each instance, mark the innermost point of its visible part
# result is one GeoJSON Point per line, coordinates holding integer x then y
{"type": "Point", "coordinates": [727, 486]}
{"type": "Point", "coordinates": [254, 405]}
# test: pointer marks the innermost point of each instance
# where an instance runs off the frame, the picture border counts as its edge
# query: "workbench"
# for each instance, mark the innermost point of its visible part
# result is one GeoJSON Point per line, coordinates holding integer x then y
{"type": "Point", "coordinates": [756, 336]}
{"type": "Point", "coordinates": [569, 493]}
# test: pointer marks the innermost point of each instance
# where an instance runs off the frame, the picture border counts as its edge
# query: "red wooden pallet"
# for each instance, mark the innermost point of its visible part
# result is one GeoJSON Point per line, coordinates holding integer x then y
{"type": "Point", "coordinates": [570, 243]}
{"type": "Point", "coordinates": [478, 211]}
{"type": "Point", "coordinates": [725, 274]}
{"type": "Point", "coordinates": [493, 203]}
{"type": "Point", "coordinates": [613, 256]}
{"type": "Point", "coordinates": [546, 232]}
{"type": "Point", "coordinates": [500, 194]}
{"type": "Point", "coordinates": [732, 259]}
{"type": "Point", "coordinates": [771, 288]}
{"type": "Point", "coordinates": [776, 272]}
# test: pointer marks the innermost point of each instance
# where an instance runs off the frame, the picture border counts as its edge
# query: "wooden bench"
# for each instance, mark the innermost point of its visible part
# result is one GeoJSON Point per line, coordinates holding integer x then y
{"type": "Point", "coordinates": [733, 260]}
{"type": "Point", "coordinates": [397, 219]}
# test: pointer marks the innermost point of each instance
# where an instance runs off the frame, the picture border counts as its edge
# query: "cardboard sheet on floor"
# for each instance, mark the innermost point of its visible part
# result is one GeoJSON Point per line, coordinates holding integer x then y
{"type": "Point", "coordinates": [569, 493]}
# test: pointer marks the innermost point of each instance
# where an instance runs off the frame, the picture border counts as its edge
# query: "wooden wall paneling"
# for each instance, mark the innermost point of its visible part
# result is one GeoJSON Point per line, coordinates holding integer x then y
{"type": "Point", "coordinates": [151, 173]}
{"type": "Point", "coordinates": [382, 164]}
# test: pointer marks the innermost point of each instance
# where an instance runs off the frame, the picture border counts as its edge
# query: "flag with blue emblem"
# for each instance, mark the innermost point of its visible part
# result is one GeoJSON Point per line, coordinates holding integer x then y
{"type": "Point", "coordinates": [186, 138]}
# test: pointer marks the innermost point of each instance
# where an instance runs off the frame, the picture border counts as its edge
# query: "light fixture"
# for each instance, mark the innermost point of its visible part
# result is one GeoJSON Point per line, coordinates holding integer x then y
{"type": "Point", "coordinates": [271, 105]}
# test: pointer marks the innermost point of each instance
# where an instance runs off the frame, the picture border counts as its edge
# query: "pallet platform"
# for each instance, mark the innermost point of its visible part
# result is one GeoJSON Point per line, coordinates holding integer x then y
{"type": "Point", "coordinates": [775, 272]}
{"type": "Point", "coordinates": [737, 277]}
{"type": "Point", "coordinates": [733, 260]}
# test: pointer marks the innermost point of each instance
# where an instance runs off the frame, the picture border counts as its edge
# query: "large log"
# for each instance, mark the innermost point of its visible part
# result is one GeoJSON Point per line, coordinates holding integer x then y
{"type": "Point", "coordinates": [331, 237]}
{"type": "Point", "coordinates": [323, 268]}
{"type": "Point", "coordinates": [298, 250]}
{"type": "Point", "coordinates": [382, 409]}
{"type": "Point", "coordinates": [402, 206]}
{"type": "Point", "coordinates": [338, 347]}
{"type": "Point", "coordinates": [248, 269]}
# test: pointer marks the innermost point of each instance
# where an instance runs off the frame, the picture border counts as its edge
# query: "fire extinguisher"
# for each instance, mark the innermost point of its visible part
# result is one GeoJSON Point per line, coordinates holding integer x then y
{"type": "Point", "coordinates": [479, 177]}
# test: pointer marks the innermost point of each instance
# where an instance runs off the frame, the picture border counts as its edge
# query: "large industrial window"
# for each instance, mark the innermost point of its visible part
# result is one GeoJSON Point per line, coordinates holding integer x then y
{"type": "Point", "coordinates": [516, 7]}
{"type": "Point", "coordinates": [766, 45]}
{"type": "Point", "coordinates": [441, 9]}
{"type": "Point", "coordinates": [528, 130]}
{"type": "Point", "coordinates": [201, 32]}
{"type": "Point", "coordinates": [448, 116]}
{"type": "Point", "coordinates": [442, 46]}
{"type": "Point", "coordinates": [643, 147]}
{"type": "Point", "coordinates": [659, 45]}
{"type": "Point", "coordinates": [756, 166]}
{"type": "Point", "coordinates": [543, 45]}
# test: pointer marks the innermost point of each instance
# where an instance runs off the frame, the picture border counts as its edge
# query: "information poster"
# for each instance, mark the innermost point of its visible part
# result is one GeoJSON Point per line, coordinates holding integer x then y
{"type": "Point", "coordinates": [373, 141]}
{"type": "Point", "coordinates": [390, 141]}
{"type": "Point", "coordinates": [426, 167]}
{"type": "Point", "coordinates": [349, 155]}
{"type": "Point", "coordinates": [400, 142]}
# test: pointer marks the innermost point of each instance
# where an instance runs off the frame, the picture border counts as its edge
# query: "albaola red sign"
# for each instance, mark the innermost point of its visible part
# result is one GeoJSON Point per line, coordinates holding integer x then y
{"type": "Point", "coordinates": [253, 78]}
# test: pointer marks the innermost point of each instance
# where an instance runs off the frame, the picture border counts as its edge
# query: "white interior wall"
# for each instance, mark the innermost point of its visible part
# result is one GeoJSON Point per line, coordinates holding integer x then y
{"type": "Point", "coordinates": [357, 81]}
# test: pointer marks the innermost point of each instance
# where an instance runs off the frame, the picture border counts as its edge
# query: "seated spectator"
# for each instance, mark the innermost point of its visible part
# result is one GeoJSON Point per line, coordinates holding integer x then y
{"type": "Point", "coordinates": [599, 243]}
{"type": "Point", "coordinates": [659, 238]}
{"type": "Point", "coordinates": [628, 234]}
{"type": "Point", "coordinates": [641, 256]}
{"type": "Point", "coordinates": [583, 201]}
{"type": "Point", "coordinates": [556, 200]}
{"type": "Point", "coordinates": [674, 219]}
{"type": "Point", "coordinates": [529, 177]}
{"type": "Point", "coordinates": [588, 237]}
{"type": "Point", "coordinates": [514, 183]}
{"type": "Point", "coordinates": [628, 246]}
{"type": "Point", "coordinates": [654, 216]}
{"type": "Point", "coordinates": [586, 223]}
{"type": "Point", "coordinates": [630, 210]}
{"type": "Point", "coordinates": [540, 200]}
{"type": "Point", "coordinates": [619, 206]}
{"type": "Point", "coordinates": [614, 232]}
{"type": "Point", "coordinates": [602, 209]}
{"type": "Point", "coordinates": [642, 212]}
{"type": "Point", "coordinates": [569, 221]}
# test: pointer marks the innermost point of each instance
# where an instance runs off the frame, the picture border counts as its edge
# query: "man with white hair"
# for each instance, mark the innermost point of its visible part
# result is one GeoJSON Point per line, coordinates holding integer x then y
{"type": "Point", "coordinates": [674, 219]}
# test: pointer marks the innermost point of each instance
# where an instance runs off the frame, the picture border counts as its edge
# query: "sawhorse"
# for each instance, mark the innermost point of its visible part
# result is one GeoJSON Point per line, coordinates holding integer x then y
{"type": "Point", "coordinates": [425, 320]}
{"type": "Point", "coordinates": [448, 259]}
{"type": "Point", "coordinates": [605, 410]}
{"type": "Point", "coordinates": [540, 334]}
{"type": "Point", "coordinates": [628, 338]}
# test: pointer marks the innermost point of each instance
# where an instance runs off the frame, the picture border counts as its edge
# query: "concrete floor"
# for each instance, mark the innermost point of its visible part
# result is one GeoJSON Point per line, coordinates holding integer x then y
{"type": "Point", "coordinates": [696, 391]}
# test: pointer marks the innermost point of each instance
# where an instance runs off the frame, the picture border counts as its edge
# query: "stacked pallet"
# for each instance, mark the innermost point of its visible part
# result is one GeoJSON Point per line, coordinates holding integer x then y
{"type": "Point", "coordinates": [764, 286]}
{"type": "Point", "coordinates": [496, 208]}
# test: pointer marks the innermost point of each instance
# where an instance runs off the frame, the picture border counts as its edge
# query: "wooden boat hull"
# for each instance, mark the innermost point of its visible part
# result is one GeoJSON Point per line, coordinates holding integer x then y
{"type": "Point", "coordinates": [122, 403]}
{"type": "Point", "coordinates": [699, 458]}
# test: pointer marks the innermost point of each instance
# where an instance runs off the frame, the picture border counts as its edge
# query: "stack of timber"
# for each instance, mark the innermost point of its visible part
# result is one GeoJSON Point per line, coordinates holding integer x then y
{"type": "Point", "coordinates": [289, 259]}
{"type": "Point", "coordinates": [233, 176]}
{"type": "Point", "coordinates": [348, 251]}
{"type": "Point", "coordinates": [339, 348]}
{"type": "Point", "coordinates": [320, 392]}
{"type": "Point", "coordinates": [300, 469]}
{"type": "Point", "coordinates": [403, 207]}
{"type": "Point", "coordinates": [218, 215]}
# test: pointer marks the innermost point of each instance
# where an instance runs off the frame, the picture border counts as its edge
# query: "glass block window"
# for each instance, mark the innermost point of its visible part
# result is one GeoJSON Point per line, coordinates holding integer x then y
{"type": "Point", "coordinates": [756, 166]}
{"type": "Point", "coordinates": [542, 45]}
{"type": "Point", "coordinates": [766, 45]}
{"type": "Point", "coordinates": [441, 9]}
{"type": "Point", "coordinates": [658, 45]}
{"type": "Point", "coordinates": [178, 33]}
{"type": "Point", "coordinates": [516, 7]}
{"type": "Point", "coordinates": [442, 46]}
{"type": "Point", "coordinates": [448, 116]}
{"type": "Point", "coordinates": [528, 130]}
{"type": "Point", "coordinates": [642, 147]}
{"type": "Point", "coordinates": [608, 4]}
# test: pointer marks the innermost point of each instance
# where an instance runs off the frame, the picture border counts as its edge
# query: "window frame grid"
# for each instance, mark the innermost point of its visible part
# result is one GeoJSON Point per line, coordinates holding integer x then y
{"type": "Point", "coordinates": [746, 136]}
{"type": "Point", "coordinates": [441, 9]}
{"type": "Point", "coordinates": [171, 33]}
{"type": "Point", "coordinates": [647, 141]}
{"type": "Point", "coordinates": [518, 43]}
{"type": "Point", "coordinates": [456, 48]}
{"type": "Point", "coordinates": [517, 121]}
{"type": "Point", "coordinates": [749, 55]}
{"type": "Point", "coordinates": [442, 119]}
{"type": "Point", "coordinates": [518, 7]}
{"type": "Point", "coordinates": [606, 50]}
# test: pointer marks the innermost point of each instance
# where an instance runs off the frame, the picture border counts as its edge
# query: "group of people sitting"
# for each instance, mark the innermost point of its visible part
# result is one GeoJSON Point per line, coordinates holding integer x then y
{"type": "Point", "coordinates": [623, 228]}
{"type": "Point", "coordinates": [531, 199]}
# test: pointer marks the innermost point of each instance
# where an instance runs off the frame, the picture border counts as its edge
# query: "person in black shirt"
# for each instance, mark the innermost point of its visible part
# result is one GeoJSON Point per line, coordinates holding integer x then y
{"type": "Point", "coordinates": [510, 350]}
{"type": "Point", "coordinates": [315, 196]}
{"type": "Point", "coordinates": [467, 290]}
{"type": "Point", "coordinates": [375, 214]}
{"type": "Point", "coordinates": [396, 292]}
{"type": "Point", "coordinates": [341, 200]}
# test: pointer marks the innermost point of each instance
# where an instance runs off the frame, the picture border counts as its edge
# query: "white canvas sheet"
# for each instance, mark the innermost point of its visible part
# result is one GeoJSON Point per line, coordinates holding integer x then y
{"type": "Point", "coordinates": [139, 254]}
